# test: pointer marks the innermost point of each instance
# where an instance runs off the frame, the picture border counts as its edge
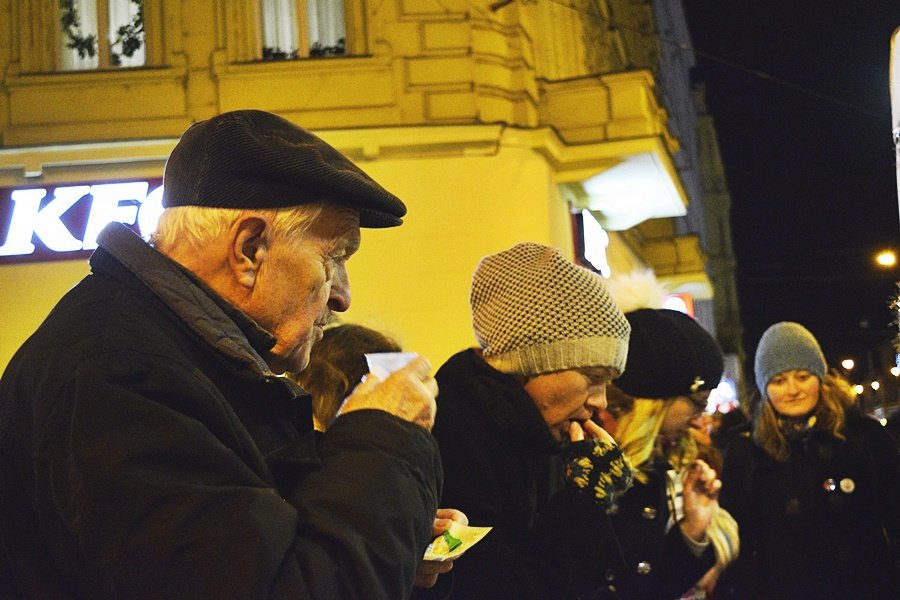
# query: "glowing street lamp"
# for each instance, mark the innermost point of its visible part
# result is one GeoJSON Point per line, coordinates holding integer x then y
{"type": "Point", "coordinates": [848, 364]}
{"type": "Point", "coordinates": [895, 371]}
{"type": "Point", "coordinates": [875, 385]}
{"type": "Point", "coordinates": [858, 388]}
{"type": "Point", "coordinates": [886, 258]}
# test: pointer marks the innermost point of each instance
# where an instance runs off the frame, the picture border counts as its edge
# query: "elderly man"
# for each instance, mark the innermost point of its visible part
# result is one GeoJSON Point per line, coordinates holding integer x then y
{"type": "Point", "coordinates": [149, 446]}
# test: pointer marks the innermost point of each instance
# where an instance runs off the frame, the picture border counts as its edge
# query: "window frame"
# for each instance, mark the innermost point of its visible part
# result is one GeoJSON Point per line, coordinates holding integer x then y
{"type": "Point", "coordinates": [354, 31]}
{"type": "Point", "coordinates": [103, 46]}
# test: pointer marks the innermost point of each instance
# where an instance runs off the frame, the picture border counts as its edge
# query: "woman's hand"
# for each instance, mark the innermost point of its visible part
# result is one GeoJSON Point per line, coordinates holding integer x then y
{"type": "Point", "coordinates": [595, 465]}
{"type": "Point", "coordinates": [578, 432]}
{"type": "Point", "coordinates": [701, 499]}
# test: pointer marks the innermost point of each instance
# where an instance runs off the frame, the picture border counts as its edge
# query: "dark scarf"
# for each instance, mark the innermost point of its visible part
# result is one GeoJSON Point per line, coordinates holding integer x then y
{"type": "Point", "coordinates": [797, 427]}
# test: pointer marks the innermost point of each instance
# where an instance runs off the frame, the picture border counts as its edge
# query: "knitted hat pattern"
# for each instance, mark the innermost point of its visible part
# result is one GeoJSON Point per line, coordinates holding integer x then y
{"type": "Point", "coordinates": [536, 312]}
{"type": "Point", "coordinates": [669, 354]}
{"type": "Point", "coordinates": [785, 346]}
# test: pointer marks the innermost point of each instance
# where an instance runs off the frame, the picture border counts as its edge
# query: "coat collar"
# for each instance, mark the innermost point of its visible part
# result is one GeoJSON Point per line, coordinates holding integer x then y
{"type": "Point", "coordinates": [501, 399]}
{"type": "Point", "coordinates": [218, 323]}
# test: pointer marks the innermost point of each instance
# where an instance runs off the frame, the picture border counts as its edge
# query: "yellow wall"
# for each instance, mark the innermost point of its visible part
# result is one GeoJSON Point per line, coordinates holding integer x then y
{"type": "Point", "coordinates": [27, 293]}
{"type": "Point", "coordinates": [411, 281]}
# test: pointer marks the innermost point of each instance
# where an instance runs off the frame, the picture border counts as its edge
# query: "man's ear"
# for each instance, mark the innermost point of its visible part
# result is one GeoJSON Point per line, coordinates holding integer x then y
{"type": "Point", "coordinates": [250, 240]}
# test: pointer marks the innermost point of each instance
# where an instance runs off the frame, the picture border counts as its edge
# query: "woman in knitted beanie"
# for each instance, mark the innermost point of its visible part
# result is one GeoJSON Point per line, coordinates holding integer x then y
{"type": "Point", "coordinates": [519, 448]}
{"type": "Point", "coordinates": [672, 530]}
{"type": "Point", "coordinates": [815, 486]}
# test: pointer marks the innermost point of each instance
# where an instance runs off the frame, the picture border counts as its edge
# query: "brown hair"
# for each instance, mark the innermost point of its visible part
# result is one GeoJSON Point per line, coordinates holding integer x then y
{"type": "Point", "coordinates": [835, 398]}
{"type": "Point", "coordinates": [337, 363]}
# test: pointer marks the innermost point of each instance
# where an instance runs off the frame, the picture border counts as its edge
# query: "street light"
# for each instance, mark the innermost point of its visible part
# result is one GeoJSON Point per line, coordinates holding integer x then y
{"type": "Point", "coordinates": [895, 371]}
{"type": "Point", "coordinates": [875, 385]}
{"type": "Point", "coordinates": [858, 388]}
{"type": "Point", "coordinates": [848, 364]}
{"type": "Point", "coordinates": [886, 258]}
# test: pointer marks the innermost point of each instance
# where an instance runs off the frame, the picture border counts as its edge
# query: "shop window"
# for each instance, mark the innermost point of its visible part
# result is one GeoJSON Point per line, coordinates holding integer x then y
{"type": "Point", "coordinates": [302, 28]}
{"type": "Point", "coordinates": [101, 34]}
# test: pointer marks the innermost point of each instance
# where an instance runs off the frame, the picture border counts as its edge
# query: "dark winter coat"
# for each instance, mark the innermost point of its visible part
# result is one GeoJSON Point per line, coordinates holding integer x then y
{"type": "Point", "coordinates": [146, 451]}
{"type": "Point", "coordinates": [814, 526]}
{"type": "Point", "coordinates": [498, 456]}
{"type": "Point", "coordinates": [659, 562]}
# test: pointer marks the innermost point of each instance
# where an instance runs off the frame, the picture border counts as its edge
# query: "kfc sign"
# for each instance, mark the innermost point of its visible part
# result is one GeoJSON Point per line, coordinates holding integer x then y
{"type": "Point", "coordinates": [57, 223]}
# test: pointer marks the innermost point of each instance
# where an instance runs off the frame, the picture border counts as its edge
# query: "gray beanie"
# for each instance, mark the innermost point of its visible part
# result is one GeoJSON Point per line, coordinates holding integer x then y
{"type": "Point", "coordinates": [785, 346]}
{"type": "Point", "coordinates": [535, 312]}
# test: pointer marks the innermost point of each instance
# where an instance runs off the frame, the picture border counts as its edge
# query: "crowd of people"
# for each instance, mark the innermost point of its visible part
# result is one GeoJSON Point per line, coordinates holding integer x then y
{"type": "Point", "coordinates": [189, 423]}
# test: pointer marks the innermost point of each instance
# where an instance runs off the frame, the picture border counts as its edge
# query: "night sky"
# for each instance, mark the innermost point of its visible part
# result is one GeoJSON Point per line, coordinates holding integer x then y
{"type": "Point", "coordinates": [799, 94]}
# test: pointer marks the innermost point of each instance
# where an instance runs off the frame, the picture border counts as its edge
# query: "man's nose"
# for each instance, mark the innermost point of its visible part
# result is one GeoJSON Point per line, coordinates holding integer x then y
{"type": "Point", "coordinates": [339, 297]}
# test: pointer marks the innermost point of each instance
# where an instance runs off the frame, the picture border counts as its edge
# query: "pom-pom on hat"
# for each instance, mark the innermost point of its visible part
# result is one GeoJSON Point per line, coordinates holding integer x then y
{"type": "Point", "coordinates": [785, 346]}
{"type": "Point", "coordinates": [536, 312]}
{"type": "Point", "coordinates": [669, 354]}
{"type": "Point", "coordinates": [250, 159]}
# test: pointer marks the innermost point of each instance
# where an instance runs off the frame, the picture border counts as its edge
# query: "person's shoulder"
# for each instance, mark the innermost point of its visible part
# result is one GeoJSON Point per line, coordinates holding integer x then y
{"type": "Point", "coordinates": [740, 445]}
{"type": "Point", "coordinates": [863, 426]}
{"type": "Point", "coordinates": [858, 421]}
{"type": "Point", "coordinates": [460, 360]}
{"type": "Point", "coordinates": [465, 374]}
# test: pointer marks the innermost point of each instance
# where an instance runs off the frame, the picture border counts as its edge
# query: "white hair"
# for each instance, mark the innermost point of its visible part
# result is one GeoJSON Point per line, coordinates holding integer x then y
{"type": "Point", "coordinates": [197, 226]}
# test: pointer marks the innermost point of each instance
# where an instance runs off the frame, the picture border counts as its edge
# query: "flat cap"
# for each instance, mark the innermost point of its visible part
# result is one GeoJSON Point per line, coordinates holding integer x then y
{"type": "Point", "coordinates": [251, 159]}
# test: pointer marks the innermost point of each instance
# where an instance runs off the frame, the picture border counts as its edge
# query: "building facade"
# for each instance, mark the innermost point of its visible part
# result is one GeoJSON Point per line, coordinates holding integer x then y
{"type": "Point", "coordinates": [495, 122]}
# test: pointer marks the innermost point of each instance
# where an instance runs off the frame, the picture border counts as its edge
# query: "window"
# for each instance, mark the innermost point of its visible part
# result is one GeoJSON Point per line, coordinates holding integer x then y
{"type": "Point", "coordinates": [82, 46]}
{"type": "Point", "coordinates": [302, 28]}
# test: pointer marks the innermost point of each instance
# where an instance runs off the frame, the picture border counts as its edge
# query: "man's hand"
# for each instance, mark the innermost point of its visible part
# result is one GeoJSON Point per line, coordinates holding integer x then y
{"type": "Point", "coordinates": [408, 393]}
{"type": "Point", "coordinates": [428, 571]}
{"type": "Point", "coordinates": [701, 499]}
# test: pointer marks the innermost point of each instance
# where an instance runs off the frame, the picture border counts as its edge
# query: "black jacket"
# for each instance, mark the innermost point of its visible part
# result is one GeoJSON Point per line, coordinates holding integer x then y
{"type": "Point", "coordinates": [659, 563]}
{"type": "Point", "coordinates": [146, 451]}
{"type": "Point", "coordinates": [502, 468]}
{"type": "Point", "coordinates": [817, 525]}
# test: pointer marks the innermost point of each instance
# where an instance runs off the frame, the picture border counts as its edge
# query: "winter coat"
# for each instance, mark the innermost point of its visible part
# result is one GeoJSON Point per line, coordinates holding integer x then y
{"type": "Point", "coordinates": [146, 451]}
{"type": "Point", "coordinates": [502, 468]}
{"type": "Point", "coordinates": [816, 526]}
{"type": "Point", "coordinates": [659, 562]}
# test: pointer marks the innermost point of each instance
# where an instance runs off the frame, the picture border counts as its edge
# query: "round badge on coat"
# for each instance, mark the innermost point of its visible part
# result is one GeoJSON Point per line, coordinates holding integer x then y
{"type": "Point", "coordinates": [847, 485]}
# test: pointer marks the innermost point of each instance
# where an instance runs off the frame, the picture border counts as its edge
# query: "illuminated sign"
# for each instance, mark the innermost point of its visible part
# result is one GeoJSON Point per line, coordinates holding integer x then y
{"type": "Point", "coordinates": [59, 223]}
{"type": "Point", "coordinates": [595, 240]}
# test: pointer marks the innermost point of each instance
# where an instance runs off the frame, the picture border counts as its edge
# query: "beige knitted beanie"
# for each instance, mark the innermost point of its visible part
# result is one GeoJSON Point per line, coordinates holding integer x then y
{"type": "Point", "coordinates": [535, 312]}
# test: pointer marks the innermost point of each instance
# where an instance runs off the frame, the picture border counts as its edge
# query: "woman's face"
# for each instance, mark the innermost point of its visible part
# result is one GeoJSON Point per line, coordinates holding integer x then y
{"type": "Point", "coordinates": [793, 393]}
{"type": "Point", "coordinates": [566, 396]}
{"type": "Point", "coordinates": [684, 412]}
